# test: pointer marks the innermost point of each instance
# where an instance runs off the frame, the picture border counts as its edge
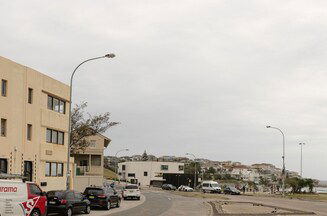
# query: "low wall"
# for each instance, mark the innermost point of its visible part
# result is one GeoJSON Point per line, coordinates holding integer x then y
{"type": "Point", "coordinates": [81, 182]}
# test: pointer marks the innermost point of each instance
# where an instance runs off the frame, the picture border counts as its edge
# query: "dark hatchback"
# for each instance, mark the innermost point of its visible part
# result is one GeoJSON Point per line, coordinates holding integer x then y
{"type": "Point", "coordinates": [105, 197]}
{"type": "Point", "coordinates": [67, 202]}
{"type": "Point", "coordinates": [168, 187]}
{"type": "Point", "coordinates": [231, 191]}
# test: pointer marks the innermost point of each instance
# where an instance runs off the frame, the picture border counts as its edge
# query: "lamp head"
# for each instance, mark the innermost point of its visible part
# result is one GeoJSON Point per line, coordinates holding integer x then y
{"type": "Point", "coordinates": [110, 55]}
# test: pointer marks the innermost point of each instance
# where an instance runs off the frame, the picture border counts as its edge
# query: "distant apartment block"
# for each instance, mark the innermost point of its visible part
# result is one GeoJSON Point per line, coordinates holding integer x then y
{"type": "Point", "coordinates": [147, 173]}
{"type": "Point", "coordinates": [33, 125]}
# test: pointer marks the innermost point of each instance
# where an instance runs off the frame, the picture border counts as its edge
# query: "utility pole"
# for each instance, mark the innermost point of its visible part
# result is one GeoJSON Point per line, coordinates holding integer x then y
{"type": "Point", "coordinates": [301, 162]}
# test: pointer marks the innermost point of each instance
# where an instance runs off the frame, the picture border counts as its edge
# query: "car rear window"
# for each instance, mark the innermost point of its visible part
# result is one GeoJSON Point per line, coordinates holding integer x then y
{"type": "Point", "coordinates": [94, 191]}
{"type": "Point", "coordinates": [132, 187]}
{"type": "Point", "coordinates": [59, 194]}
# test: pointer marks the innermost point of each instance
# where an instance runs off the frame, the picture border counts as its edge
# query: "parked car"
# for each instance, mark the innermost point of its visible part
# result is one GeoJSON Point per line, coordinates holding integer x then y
{"type": "Point", "coordinates": [185, 188]}
{"type": "Point", "coordinates": [67, 202]}
{"type": "Point", "coordinates": [105, 197]}
{"type": "Point", "coordinates": [131, 191]}
{"type": "Point", "coordinates": [231, 190]}
{"type": "Point", "coordinates": [210, 187]}
{"type": "Point", "coordinates": [168, 187]}
{"type": "Point", "coordinates": [22, 198]}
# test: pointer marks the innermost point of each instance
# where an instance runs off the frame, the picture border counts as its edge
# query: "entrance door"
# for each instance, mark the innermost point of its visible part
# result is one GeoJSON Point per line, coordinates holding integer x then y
{"type": "Point", "coordinates": [28, 170]}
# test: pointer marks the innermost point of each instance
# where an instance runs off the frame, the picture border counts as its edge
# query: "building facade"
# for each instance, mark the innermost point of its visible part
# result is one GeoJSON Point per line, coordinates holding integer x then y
{"type": "Point", "coordinates": [89, 163]}
{"type": "Point", "coordinates": [147, 173]}
{"type": "Point", "coordinates": [34, 125]}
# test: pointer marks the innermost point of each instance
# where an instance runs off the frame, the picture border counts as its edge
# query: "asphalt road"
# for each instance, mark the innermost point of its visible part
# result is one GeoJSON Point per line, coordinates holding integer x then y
{"type": "Point", "coordinates": [166, 204]}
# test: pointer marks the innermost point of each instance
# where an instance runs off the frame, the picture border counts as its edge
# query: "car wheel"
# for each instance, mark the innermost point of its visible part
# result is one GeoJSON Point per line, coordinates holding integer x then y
{"type": "Point", "coordinates": [108, 206]}
{"type": "Point", "coordinates": [69, 212]}
{"type": "Point", "coordinates": [36, 213]}
{"type": "Point", "coordinates": [204, 191]}
{"type": "Point", "coordinates": [87, 209]}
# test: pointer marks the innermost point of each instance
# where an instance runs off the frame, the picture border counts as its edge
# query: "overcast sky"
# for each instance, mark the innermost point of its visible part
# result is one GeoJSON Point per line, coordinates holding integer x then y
{"type": "Point", "coordinates": [204, 77]}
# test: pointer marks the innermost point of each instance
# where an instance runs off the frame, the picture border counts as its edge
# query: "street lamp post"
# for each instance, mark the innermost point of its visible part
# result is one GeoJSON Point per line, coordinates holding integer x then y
{"type": "Point", "coordinates": [111, 55]}
{"type": "Point", "coordinates": [301, 144]}
{"type": "Point", "coordinates": [283, 170]}
{"type": "Point", "coordinates": [194, 168]}
{"type": "Point", "coordinates": [117, 161]}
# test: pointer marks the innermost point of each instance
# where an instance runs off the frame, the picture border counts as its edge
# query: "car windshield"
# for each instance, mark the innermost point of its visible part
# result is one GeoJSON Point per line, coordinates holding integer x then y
{"type": "Point", "coordinates": [214, 185]}
{"type": "Point", "coordinates": [59, 194]}
{"type": "Point", "coordinates": [93, 191]}
{"type": "Point", "coordinates": [132, 187]}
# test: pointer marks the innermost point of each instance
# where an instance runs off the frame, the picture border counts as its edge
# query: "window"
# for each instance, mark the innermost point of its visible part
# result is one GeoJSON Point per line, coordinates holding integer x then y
{"type": "Point", "coordinates": [53, 169]}
{"type": "Point", "coordinates": [49, 132]}
{"type": "Point", "coordinates": [70, 196]}
{"type": "Point", "coordinates": [78, 196]}
{"type": "Point", "coordinates": [123, 167]}
{"type": "Point", "coordinates": [4, 88]}
{"type": "Point", "coordinates": [35, 190]}
{"type": "Point", "coordinates": [180, 167]}
{"type": "Point", "coordinates": [56, 104]}
{"type": "Point", "coordinates": [3, 165]}
{"type": "Point", "coordinates": [83, 163]}
{"type": "Point", "coordinates": [60, 169]}
{"type": "Point", "coordinates": [92, 143]}
{"type": "Point", "coordinates": [131, 175]}
{"type": "Point", "coordinates": [30, 95]}
{"type": "Point", "coordinates": [145, 173]}
{"type": "Point", "coordinates": [54, 136]}
{"type": "Point", "coordinates": [62, 107]}
{"type": "Point", "coordinates": [164, 167]}
{"type": "Point", "coordinates": [50, 102]}
{"type": "Point", "coordinates": [29, 132]}
{"type": "Point", "coordinates": [60, 138]}
{"type": "Point", "coordinates": [96, 160]}
{"type": "Point", "coordinates": [3, 128]}
{"type": "Point", "coordinates": [47, 168]}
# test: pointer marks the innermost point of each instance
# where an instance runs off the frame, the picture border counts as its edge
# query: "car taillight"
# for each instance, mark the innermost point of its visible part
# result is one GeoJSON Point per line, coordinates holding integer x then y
{"type": "Point", "coordinates": [102, 196]}
{"type": "Point", "coordinates": [63, 202]}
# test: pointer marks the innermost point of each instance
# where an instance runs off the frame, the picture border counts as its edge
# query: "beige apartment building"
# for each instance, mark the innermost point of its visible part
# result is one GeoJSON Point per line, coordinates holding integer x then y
{"type": "Point", "coordinates": [89, 163]}
{"type": "Point", "coordinates": [34, 125]}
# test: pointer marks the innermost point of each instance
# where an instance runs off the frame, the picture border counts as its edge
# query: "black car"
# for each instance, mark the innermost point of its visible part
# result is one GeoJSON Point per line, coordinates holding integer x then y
{"type": "Point", "coordinates": [105, 197]}
{"type": "Point", "coordinates": [67, 202]}
{"type": "Point", "coordinates": [232, 191]}
{"type": "Point", "coordinates": [168, 187]}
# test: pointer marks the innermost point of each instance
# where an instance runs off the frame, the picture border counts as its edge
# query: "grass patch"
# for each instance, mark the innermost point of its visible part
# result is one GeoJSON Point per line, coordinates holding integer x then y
{"type": "Point", "coordinates": [200, 195]}
{"type": "Point", "coordinates": [307, 196]}
{"type": "Point", "coordinates": [317, 197]}
{"type": "Point", "coordinates": [109, 174]}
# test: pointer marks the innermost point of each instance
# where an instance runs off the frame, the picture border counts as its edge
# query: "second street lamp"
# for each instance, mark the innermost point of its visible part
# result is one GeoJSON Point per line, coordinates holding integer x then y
{"type": "Point", "coordinates": [118, 161]}
{"type": "Point", "coordinates": [283, 170]}
{"type": "Point", "coordinates": [194, 168]}
{"type": "Point", "coordinates": [110, 55]}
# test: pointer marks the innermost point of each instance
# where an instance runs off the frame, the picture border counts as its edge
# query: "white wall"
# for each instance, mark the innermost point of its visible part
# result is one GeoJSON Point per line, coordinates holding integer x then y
{"type": "Point", "coordinates": [153, 168]}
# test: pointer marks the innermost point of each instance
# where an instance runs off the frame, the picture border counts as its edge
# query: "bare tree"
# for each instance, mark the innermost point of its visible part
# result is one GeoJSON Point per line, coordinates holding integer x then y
{"type": "Point", "coordinates": [86, 125]}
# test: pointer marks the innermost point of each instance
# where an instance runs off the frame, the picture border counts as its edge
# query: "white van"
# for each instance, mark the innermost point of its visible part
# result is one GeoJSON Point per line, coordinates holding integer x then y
{"type": "Point", "coordinates": [210, 187]}
{"type": "Point", "coordinates": [19, 198]}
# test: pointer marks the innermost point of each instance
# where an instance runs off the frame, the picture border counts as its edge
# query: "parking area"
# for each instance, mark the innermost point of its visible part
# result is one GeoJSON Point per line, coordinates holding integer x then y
{"type": "Point", "coordinates": [125, 205]}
